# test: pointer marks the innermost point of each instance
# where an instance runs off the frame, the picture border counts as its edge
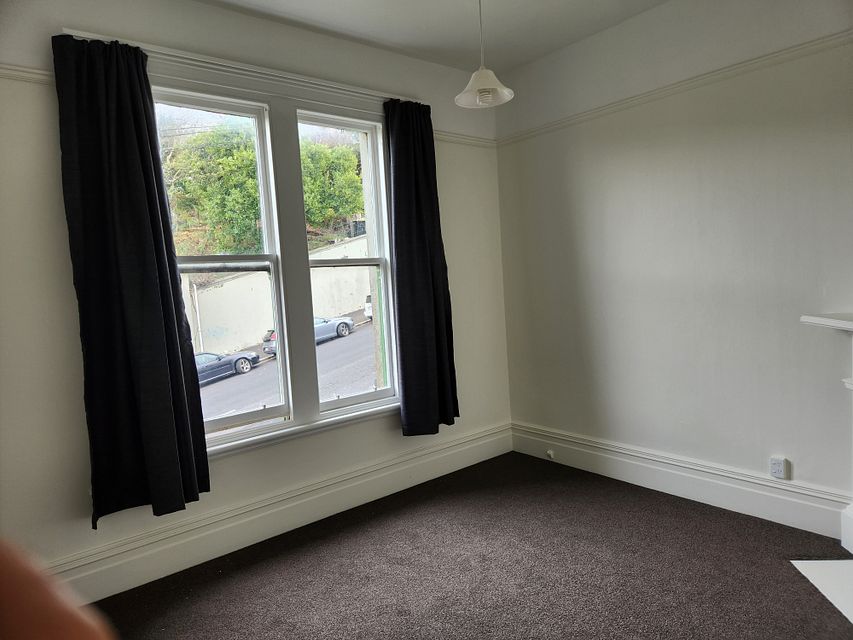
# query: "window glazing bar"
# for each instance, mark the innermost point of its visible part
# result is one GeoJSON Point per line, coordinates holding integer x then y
{"type": "Point", "coordinates": [223, 267]}
{"type": "Point", "coordinates": [347, 262]}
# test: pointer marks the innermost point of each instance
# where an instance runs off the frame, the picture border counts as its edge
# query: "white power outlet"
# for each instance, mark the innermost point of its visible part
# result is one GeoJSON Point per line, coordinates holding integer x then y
{"type": "Point", "coordinates": [780, 467]}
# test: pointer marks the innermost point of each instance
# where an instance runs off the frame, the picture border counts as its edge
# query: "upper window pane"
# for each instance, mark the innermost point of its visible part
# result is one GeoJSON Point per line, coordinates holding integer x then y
{"type": "Point", "coordinates": [334, 181]}
{"type": "Point", "coordinates": [210, 164]}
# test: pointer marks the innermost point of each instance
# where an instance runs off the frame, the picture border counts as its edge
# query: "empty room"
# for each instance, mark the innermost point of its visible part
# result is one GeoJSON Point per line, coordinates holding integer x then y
{"type": "Point", "coordinates": [438, 320]}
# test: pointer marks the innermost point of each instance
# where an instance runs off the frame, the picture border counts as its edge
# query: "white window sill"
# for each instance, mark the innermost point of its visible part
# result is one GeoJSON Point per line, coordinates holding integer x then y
{"type": "Point", "coordinates": [288, 430]}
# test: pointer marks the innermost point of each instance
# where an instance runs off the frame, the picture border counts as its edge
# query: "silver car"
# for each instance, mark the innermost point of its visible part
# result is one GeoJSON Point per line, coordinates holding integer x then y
{"type": "Point", "coordinates": [328, 328]}
{"type": "Point", "coordinates": [324, 329]}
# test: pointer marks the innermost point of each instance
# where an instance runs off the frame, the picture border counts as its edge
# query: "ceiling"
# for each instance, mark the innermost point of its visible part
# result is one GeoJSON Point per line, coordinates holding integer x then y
{"type": "Point", "coordinates": [445, 31]}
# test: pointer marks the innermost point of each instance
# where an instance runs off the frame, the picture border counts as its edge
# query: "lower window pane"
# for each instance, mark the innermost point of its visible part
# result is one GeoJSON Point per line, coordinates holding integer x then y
{"type": "Point", "coordinates": [349, 329]}
{"type": "Point", "coordinates": [232, 320]}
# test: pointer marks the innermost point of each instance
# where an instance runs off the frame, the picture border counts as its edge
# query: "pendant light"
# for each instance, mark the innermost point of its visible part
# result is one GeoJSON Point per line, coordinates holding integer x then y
{"type": "Point", "coordinates": [484, 89]}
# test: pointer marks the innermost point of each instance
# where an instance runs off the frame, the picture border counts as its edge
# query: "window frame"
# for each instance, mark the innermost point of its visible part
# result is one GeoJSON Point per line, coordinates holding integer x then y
{"type": "Point", "coordinates": [374, 188]}
{"type": "Point", "coordinates": [268, 261]}
{"type": "Point", "coordinates": [282, 213]}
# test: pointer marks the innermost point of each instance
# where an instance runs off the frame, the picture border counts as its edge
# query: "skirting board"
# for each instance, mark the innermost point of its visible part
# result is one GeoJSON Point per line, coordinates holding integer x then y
{"type": "Point", "coordinates": [847, 528]}
{"type": "Point", "coordinates": [796, 504]}
{"type": "Point", "coordinates": [102, 572]}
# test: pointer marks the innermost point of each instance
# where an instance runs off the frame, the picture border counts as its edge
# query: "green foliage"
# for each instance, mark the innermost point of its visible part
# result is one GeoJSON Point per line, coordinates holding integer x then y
{"type": "Point", "coordinates": [331, 185]}
{"type": "Point", "coordinates": [212, 183]}
{"type": "Point", "coordinates": [212, 179]}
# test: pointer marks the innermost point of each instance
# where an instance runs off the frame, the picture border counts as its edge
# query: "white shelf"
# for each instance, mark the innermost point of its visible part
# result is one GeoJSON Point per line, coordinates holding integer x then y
{"type": "Point", "coordinates": [842, 321]}
{"type": "Point", "coordinates": [833, 578]}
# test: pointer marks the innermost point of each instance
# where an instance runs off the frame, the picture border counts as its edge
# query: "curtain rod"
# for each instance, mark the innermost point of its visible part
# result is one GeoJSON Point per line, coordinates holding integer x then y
{"type": "Point", "coordinates": [167, 52]}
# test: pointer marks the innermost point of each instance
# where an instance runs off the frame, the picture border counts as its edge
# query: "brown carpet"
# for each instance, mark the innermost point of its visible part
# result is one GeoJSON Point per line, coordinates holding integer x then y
{"type": "Point", "coordinates": [511, 548]}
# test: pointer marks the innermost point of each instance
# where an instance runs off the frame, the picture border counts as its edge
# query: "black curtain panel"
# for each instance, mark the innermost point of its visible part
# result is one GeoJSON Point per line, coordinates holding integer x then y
{"type": "Point", "coordinates": [424, 323]}
{"type": "Point", "coordinates": [143, 407]}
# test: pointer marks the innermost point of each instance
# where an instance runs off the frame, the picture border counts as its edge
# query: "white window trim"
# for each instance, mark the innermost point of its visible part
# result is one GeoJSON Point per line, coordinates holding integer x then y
{"type": "Point", "coordinates": [284, 98]}
{"type": "Point", "coordinates": [267, 261]}
{"type": "Point", "coordinates": [376, 190]}
{"type": "Point", "coordinates": [275, 431]}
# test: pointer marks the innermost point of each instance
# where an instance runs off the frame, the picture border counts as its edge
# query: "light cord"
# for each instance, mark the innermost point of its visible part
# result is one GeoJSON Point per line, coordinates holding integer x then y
{"type": "Point", "coordinates": [482, 48]}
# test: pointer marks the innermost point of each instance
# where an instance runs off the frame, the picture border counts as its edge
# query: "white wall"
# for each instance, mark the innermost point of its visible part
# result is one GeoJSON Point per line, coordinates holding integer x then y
{"type": "Point", "coordinates": [231, 314]}
{"type": "Point", "coordinates": [657, 257]}
{"type": "Point", "coordinates": [672, 42]}
{"type": "Point", "coordinates": [44, 466]}
{"type": "Point", "coordinates": [340, 291]}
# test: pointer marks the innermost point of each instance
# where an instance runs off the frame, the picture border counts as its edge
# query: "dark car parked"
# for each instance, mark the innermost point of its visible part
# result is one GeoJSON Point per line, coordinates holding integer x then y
{"type": "Point", "coordinates": [213, 366]}
{"type": "Point", "coordinates": [324, 329]}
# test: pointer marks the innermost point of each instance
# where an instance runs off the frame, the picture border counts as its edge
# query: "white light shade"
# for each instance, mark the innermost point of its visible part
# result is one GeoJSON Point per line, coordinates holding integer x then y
{"type": "Point", "coordinates": [484, 90]}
